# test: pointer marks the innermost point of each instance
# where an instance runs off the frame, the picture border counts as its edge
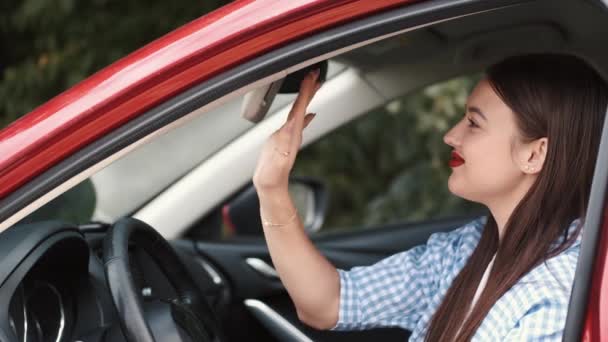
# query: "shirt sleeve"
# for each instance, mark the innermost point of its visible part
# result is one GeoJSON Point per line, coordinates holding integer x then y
{"type": "Point", "coordinates": [396, 290]}
{"type": "Point", "coordinates": [543, 322]}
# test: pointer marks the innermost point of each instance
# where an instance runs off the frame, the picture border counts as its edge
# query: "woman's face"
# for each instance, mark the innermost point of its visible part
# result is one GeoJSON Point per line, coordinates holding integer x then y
{"type": "Point", "coordinates": [487, 139]}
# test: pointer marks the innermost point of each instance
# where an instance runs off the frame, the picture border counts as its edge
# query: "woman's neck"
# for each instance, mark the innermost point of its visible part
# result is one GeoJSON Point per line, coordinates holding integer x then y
{"type": "Point", "coordinates": [503, 207]}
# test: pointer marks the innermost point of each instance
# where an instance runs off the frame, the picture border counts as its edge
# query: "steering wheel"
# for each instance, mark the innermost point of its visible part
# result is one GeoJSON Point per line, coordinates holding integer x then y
{"type": "Point", "coordinates": [189, 312]}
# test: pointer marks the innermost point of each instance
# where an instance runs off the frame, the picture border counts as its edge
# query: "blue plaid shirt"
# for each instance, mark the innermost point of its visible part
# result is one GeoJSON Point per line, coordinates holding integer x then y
{"type": "Point", "coordinates": [405, 289]}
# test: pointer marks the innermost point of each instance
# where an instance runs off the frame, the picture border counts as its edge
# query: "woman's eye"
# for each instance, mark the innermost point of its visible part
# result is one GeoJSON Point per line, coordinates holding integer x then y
{"type": "Point", "coordinates": [472, 123]}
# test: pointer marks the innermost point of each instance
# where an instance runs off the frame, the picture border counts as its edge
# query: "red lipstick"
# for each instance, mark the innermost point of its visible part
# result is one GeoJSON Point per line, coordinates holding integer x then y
{"type": "Point", "coordinates": [456, 160]}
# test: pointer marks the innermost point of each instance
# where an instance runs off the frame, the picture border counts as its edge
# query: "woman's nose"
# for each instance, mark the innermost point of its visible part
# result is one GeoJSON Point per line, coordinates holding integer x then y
{"type": "Point", "coordinates": [451, 137]}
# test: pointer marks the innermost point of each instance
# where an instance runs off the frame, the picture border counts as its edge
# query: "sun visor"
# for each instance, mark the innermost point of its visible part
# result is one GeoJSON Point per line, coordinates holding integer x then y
{"type": "Point", "coordinates": [257, 102]}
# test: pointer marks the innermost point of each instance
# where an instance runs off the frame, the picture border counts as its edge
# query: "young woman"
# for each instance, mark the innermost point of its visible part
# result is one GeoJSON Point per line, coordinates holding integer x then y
{"type": "Point", "coordinates": [526, 149]}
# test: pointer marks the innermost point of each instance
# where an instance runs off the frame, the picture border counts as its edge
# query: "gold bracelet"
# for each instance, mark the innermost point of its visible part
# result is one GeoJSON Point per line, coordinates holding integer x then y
{"type": "Point", "coordinates": [270, 224]}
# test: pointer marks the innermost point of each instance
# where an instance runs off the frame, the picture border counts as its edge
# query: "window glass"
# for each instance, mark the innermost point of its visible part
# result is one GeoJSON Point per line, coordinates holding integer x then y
{"type": "Point", "coordinates": [391, 164]}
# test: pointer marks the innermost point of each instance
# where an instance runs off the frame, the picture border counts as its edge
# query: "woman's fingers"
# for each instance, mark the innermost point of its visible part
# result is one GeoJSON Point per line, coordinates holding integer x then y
{"type": "Point", "coordinates": [308, 88]}
{"type": "Point", "coordinates": [317, 87]}
{"type": "Point", "coordinates": [290, 134]}
{"type": "Point", "coordinates": [279, 152]}
{"type": "Point", "coordinates": [308, 119]}
{"type": "Point", "coordinates": [295, 122]}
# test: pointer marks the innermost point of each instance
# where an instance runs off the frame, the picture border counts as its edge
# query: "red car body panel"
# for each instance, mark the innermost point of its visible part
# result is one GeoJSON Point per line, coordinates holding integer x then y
{"type": "Point", "coordinates": [596, 322]}
{"type": "Point", "coordinates": [193, 53]}
{"type": "Point", "coordinates": [181, 59]}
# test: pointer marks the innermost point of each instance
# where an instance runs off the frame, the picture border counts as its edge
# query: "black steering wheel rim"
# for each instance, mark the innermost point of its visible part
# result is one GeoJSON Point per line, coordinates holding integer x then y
{"type": "Point", "coordinates": [189, 309]}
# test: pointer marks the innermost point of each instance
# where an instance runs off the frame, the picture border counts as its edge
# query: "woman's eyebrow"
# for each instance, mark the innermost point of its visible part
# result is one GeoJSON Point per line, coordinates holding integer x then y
{"type": "Point", "coordinates": [476, 110]}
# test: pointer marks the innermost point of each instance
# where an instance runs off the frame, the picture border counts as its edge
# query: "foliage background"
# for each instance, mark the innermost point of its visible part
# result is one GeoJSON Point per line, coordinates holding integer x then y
{"type": "Point", "coordinates": [390, 165]}
{"type": "Point", "coordinates": [48, 46]}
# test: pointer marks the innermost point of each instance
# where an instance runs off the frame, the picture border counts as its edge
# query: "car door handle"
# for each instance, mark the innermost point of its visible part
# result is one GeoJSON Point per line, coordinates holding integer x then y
{"type": "Point", "coordinates": [262, 267]}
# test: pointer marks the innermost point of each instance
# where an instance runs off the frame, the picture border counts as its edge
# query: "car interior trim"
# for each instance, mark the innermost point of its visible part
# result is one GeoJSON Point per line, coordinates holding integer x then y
{"type": "Point", "coordinates": [24, 322]}
{"type": "Point", "coordinates": [61, 312]}
{"type": "Point", "coordinates": [284, 330]}
{"type": "Point", "coordinates": [215, 276]}
{"type": "Point", "coordinates": [262, 267]}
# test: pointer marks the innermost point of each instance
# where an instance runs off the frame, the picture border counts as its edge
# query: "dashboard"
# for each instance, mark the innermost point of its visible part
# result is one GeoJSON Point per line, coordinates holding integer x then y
{"type": "Point", "coordinates": [53, 285]}
{"type": "Point", "coordinates": [39, 311]}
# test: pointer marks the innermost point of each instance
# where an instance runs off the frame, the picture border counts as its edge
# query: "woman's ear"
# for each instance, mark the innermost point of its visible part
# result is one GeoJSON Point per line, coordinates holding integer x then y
{"type": "Point", "coordinates": [535, 155]}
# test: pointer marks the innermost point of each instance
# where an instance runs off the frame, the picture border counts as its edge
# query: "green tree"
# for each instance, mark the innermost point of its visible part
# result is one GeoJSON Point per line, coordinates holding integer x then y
{"type": "Point", "coordinates": [48, 46]}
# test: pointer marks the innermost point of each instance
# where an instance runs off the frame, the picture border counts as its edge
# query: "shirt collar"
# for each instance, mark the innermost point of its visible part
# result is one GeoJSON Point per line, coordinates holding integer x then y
{"type": "Point", "coordinates": [571, 230]}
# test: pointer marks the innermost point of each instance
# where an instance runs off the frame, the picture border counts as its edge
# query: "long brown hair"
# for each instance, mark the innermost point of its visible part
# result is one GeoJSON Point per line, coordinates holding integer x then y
{"type": "Point", "coordinates": [564, 99]}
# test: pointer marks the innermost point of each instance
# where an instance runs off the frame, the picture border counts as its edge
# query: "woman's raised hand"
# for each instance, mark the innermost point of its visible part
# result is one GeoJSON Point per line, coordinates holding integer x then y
{"type": "Point", "coordinates": [311, 280]}
{"type": "Point", "coordinates": [279, 152]}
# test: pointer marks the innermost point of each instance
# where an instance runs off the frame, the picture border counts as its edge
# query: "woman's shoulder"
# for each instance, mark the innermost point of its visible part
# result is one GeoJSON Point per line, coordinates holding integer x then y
{"type": "Point", "coordinates": [452, 248]}
{"type": "Point", "coordinates": [467, 233]}
{"type": "Point", "coordinates": [465, 238]}
{"type": "Point", "coordinates": [547, 284]}
{"type": "Point", "coordinates": [539, 299]}
{"type": "Point", "coordinates": [553, 278]}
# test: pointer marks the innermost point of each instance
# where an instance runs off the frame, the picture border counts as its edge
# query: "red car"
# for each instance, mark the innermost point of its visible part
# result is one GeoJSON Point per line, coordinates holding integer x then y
{"type": "Point", "coordinates": [169, 136]}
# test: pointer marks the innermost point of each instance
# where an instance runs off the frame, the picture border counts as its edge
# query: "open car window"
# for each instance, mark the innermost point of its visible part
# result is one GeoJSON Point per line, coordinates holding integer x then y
{"type": "Point", "coordinates": [132, 181]}
{"type": "Point", "coordinates": [387, 166]}
{"type": "Point", "coordinates": [371, 180]}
